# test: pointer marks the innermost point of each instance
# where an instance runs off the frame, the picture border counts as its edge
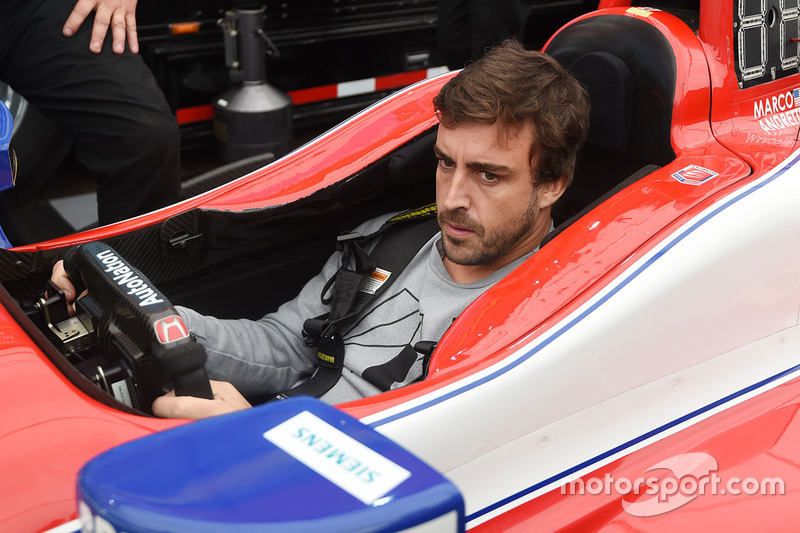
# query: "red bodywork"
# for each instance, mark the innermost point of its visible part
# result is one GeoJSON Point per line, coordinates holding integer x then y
{"type": "Point", "coordinates": [49, 429]}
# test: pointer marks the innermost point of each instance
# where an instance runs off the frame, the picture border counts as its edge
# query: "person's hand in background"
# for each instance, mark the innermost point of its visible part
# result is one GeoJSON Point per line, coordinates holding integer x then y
{"type": "Point", "coordinates": [120, 15]}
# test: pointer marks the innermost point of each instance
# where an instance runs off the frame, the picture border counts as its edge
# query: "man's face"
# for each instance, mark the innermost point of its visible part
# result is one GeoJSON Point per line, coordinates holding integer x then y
{"type": "Point", "coordinates": [490, 212]}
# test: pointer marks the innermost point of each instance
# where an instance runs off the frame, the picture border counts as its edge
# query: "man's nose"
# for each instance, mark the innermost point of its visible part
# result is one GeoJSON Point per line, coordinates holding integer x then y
{"type": "Point", "coordinates": [458, 194]}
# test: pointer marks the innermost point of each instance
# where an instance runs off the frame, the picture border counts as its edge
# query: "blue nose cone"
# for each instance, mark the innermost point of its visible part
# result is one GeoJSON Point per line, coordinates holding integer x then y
{"type": "Point", "coordinates": [289, 466]}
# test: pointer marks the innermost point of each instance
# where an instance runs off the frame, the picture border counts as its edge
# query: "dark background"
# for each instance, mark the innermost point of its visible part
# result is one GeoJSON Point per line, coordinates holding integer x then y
{"type": "Point", "coordinates": [314, 43]}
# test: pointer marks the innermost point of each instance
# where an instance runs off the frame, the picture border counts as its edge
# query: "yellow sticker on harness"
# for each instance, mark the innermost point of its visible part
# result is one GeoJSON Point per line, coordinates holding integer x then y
{"type": "Point", "coordinates": [414, 213]}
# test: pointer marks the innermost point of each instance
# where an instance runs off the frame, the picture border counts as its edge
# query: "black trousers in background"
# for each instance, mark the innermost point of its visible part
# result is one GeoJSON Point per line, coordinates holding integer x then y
{"type": "Point", "coordinates": [467, 28]}
{"type": "Point", "coordinates": [122, 127]}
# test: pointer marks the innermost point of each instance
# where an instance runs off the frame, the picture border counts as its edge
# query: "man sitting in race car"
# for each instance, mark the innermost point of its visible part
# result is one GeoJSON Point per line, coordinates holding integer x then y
{"type": "Point", "coordinates": [511, 125]}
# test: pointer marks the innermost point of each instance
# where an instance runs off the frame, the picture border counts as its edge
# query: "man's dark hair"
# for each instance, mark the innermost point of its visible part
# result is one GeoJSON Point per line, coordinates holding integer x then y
{"type": "Point", "coordinates": [520, 88]}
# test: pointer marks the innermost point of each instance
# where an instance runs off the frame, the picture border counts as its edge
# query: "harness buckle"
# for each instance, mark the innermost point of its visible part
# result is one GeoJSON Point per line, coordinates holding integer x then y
{"type": "Point", "coordinates": [317, 330]}
{"type": "Point", "coordinates": [351, 236]}
{"type": "Point", "coordinates": [312, 329]}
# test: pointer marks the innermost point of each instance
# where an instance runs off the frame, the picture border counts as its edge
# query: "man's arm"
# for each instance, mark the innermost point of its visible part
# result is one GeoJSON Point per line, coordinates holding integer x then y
{"type": "Point", "coordinates": [119, 14]}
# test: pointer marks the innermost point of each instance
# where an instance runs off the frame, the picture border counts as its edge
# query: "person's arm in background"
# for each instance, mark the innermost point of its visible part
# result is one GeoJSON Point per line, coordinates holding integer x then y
{"type": "Point", "coordinates": [120, 15]}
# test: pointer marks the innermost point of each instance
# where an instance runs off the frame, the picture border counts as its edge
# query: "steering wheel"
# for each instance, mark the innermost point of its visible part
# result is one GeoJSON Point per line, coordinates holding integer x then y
{"type": "Point", "coordinates": [137, 327]}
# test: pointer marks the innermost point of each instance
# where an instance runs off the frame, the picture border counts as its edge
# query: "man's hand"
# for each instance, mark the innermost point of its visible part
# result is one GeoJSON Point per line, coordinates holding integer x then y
{"type": "Point", "coordinates": [226, 400]}
{"type": "Point", "coordinates": [62, 281]}
{"type": "Point", "coordinates": [119, 14]}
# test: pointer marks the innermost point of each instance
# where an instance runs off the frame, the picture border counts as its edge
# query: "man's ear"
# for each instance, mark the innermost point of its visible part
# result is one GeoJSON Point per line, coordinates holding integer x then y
{"type": "Point", "coordinates": [550, 192]}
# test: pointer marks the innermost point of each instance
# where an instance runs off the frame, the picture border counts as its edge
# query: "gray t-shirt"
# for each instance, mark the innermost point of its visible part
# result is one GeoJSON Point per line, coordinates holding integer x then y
{"type": "Point", "coordinates": [268, 355]}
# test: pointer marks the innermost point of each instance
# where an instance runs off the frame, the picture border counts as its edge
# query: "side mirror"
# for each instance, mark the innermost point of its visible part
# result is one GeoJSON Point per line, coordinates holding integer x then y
{"type": "Point", "coordinates": [8, 161]}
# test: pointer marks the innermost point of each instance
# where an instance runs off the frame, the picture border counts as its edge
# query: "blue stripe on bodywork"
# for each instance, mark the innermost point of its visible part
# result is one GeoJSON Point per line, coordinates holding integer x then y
{"type": "Point", "coordinates": [533, 351]}
{"type": "Point", "coordinates": [630, 443]}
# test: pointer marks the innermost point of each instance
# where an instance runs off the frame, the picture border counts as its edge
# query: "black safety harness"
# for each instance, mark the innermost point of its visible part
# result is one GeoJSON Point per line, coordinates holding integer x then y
{"type": "Point", "coordinates": [350, 290]}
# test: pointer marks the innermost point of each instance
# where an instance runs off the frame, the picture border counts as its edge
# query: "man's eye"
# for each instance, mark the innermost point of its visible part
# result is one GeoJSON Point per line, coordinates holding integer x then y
{"type": "Point", "coordinates": [446, 163]}
{"type": "Point", "coordinates": [488, 177]}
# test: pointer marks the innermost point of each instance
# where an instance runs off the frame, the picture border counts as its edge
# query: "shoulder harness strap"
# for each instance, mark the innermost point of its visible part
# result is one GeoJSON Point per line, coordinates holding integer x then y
{"type": "Point", "coordinates": [399, 239]}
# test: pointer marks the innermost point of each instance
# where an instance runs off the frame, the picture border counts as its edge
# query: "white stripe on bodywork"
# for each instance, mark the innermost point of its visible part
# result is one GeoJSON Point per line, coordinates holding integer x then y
{"type": "Point", "coordinates": [668, 326]}
{"type": "Point", "coordinates": [69, 527]}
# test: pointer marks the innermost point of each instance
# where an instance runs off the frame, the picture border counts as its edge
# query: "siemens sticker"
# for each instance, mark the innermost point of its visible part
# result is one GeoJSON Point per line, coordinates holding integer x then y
{"type": "Point", "coordinates": [337, 457]}
{"type": "Point", "coordinates": [778, 112]}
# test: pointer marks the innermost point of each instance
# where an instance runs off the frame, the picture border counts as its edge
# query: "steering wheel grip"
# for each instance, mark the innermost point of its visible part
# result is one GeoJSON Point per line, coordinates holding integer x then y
{"type": "Point", "coordinates": [130, 301]}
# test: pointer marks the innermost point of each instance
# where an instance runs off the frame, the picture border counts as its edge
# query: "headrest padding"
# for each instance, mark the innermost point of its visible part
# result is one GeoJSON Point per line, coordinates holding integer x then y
{"type": "Point", "coordinates": [609, 82]}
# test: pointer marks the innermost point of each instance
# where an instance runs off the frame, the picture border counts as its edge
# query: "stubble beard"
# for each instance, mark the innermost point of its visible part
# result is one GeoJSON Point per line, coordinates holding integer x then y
{"type": "Point", "coordinates": [490, 246]}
